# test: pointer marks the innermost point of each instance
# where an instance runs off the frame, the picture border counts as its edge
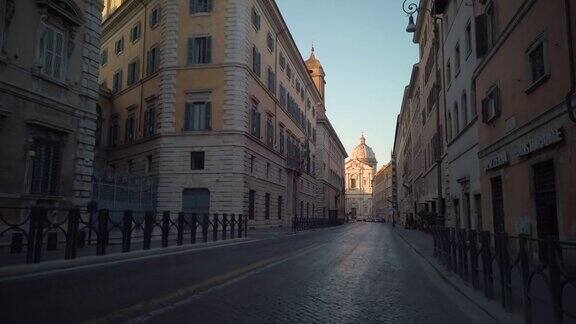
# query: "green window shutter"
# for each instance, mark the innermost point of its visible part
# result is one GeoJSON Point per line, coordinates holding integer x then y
{"type": "Point", "coordinates": [209, 49]}
{"type": "Point", "coordinates": [208, 115]}
{"type": "Point", "coordinates": [191, 56]}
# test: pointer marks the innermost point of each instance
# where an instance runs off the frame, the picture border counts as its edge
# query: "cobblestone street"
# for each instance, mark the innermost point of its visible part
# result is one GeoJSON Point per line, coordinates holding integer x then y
{"type": "Point", "coordinates": [362, 273]}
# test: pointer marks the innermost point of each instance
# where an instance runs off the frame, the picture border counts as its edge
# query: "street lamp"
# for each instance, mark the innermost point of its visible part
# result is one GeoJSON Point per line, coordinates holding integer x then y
{"type": "Point", "coordinates": [410, 9]}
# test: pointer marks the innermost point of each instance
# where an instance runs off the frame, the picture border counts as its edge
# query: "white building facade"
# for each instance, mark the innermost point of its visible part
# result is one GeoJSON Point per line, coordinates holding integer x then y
{"type": "Point", "coordinates": [360, 171]}
{"type": "Point", "coordinates": [461, 118]}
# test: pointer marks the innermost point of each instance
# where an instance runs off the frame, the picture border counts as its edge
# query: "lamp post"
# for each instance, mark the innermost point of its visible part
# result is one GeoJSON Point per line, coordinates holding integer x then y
{"type": "Point", "coordinates": [411, 8]}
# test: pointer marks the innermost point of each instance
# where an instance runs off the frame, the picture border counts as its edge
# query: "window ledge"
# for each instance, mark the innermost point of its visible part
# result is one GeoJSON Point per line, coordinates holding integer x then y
{"type": "Point", "coordinates": [537, 83]}
{"type": "Point", "coordinates": [51, 80]}
{"type": "Point", "coordinates": [200, 14]}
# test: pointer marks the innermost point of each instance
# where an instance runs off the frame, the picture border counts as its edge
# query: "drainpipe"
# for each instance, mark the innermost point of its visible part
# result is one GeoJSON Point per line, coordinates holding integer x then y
{"type": "Point", "coordinates": [570, 44]}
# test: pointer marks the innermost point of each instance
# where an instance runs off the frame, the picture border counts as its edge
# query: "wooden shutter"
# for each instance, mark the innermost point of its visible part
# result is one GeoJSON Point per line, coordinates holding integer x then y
{"type": "Point", "coordinates": [481, 33]}
{"type": "Point", "coordinates": [208, 115]}
{"type": "Point", "coordinates": [208, 49]}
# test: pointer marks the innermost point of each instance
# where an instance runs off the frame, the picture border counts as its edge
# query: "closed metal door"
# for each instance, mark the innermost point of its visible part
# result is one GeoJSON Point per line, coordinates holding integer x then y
{"type": "Point", "coordinates": [196, 201]}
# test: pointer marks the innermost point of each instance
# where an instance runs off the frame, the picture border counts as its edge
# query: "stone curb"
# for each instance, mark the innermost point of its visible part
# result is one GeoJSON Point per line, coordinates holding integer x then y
{"type": "Point", "coordinates": [490, 307]}
{"type": "Point", "coordinates": [15, 271]}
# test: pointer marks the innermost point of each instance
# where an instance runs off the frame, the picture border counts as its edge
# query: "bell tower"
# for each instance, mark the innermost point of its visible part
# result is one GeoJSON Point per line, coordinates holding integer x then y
{"type": "Point", "coordinates": [317, 73]}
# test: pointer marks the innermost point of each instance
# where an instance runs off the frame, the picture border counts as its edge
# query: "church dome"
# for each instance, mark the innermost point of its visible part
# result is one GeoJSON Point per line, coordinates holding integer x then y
{"type": "Point", "coordinates": [363, 152]}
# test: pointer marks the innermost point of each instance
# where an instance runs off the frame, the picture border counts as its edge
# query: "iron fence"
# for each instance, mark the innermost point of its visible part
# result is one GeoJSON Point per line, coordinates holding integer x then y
{"type": "Point", "coordinates": [38, 234]}
{"type": "Point", "coordinates": [536, 277]}
{"type": "Point", "coordinates": [306, 223]}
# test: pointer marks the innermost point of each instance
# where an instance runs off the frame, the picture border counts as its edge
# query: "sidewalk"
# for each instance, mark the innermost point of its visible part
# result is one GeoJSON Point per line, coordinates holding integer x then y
{"type": "Point", "coordinates": [423, 245]}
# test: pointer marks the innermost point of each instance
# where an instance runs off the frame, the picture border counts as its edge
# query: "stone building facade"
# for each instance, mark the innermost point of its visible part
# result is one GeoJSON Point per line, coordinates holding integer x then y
{"type": "Point", "coordinates": [48, 92]}
{"type": "Point", "coordinates": [382, 194]}
{"type": "Point", "coordinates": [214, 101]}
{"type": "Point", "coordinates": [360, 169]}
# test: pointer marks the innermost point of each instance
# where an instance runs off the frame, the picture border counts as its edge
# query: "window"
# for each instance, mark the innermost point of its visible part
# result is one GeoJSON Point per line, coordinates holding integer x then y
{"type": "Point", "coordinates": [283, 96]}
{"type": "Point", "coordinates": [46, 168]}
{"type": "Point", "coordinates": [456, 119]}
{"type": "Point", "coordinates": [536, 58]}
{"type": "Point", "coordinates": [153, 58]}
{"type": "Point", "coordinates": [150, 118]}
{"type": "Point", "coordinates": [279, 207]}
{"type": "Point", "coordinates": [129, 129]}
{"type": "Point", "coordinates": [133, 72]}
{"type": "Point", "coordinates": [282, 62]}
{"type": "Point", "coordinates": [154, 17]}
{"type": "Point", "coordinates": [464, 105]}
{"type": "Point", "coordinates": [281, 140]}
{"type": "Point", "coordinates": [200, 6]}
{"type": "Point", "coordinates": [256, 59]}
{"type": "Point", "coordinates": [149, 164]}
{"type": "Point", "coordinates": [271, 80]}
{"type": "Point", "coordinates": [269, 132]}
{"type": "Point", "coordinates": [117, 82]}
{"type": "Point", "coordinates": [251, 199]}
{"type": "Point", "coordinates": [270, 42]}
{"type": "Point", "coordinates": [255, 19]}
{"type": "Point", "coordinates": [113, 132]}
{"type": "Point", "coordinates": [491, 105]}
{"type": "Point", "coordinates": [130, 166]}
{"type": "Point", "coordinates": [135, 33]}
{"type": "Point", "coordinates": [448, 73]}
{"type": "Point", "coordinates": [491, 25]}
{"type": "Point", "coordinates": [255, 120]}
{"type": "Point", "coordinates": [468, 38]}
{"type": "Point", "coordinates": [200, 50]}
{"type": "Point", "coordinates": [353, 183]}
{"type": "Point", "coordinates": [252, 158]}
{"type": "Point", "coordinates": [198, 116]}
{"type": "Point", "coordinates": [119, 47]}
{"type": "Point", "coordinates": [197, 161]}
{"type": "Point", "coordinates": [104, 57]}
{"type": "Point", "coordinates": [267, 170]}
{"type": "Point", "coordinates": [289, 72]}
{"type": "Point", "coordinates": [267, 206]}
{"type": "Point", "coordinates": [52, 48]}
{"type": "Point", "coordinates": [457, 59]}
{"type": "Point", "coordinates": [449, 126]}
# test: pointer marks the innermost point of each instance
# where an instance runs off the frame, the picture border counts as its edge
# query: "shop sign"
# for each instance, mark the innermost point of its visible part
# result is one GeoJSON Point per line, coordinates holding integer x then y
{"type": "Point", "coordinates": [496, 161]}
{"type": "Point", "coordinates": [539, 141]}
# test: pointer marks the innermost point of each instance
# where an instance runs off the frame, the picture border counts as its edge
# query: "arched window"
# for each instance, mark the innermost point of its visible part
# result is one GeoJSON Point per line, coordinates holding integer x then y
{"type": "Point", "coordinates": [456, 119]}
{"type": "Point", "coordinates": [464, 105]}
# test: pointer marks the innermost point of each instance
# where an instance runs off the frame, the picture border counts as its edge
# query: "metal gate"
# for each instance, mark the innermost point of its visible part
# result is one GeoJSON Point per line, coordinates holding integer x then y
{"type": "Point", "coordinates": [117, 191]}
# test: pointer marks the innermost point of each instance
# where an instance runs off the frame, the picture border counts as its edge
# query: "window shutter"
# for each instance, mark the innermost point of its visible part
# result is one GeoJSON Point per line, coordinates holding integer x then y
{"type": "Point", "coordinates": [191, 58]}
{"type": "Point", "coordinates": [192, 6]}
{"type": "Point", "coordinates": [209, 5]}
{"type": "Point", "coordinates": [208, 49]}
{"type": "Point", "coordinates": [258, 123]}
{"type": "Point", "coordinates": [208, 115]}
{"type": "Point", "coordinates": [187, 116]}
{"type": "Point", "coordinates": [497, 103]}
{"type": "Point", "coordinates": [481, 33]}
{"type": "Point", "coordinates": [485, 110]}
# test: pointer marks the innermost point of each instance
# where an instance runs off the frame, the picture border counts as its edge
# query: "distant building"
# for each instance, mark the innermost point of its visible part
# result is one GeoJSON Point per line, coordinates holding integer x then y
{"type": "Point", "coordinates": [382, 194]}
{"type": "Point", "coordinates": [48, 92]}
{"type": "Point", "coordinates": [360, 170]}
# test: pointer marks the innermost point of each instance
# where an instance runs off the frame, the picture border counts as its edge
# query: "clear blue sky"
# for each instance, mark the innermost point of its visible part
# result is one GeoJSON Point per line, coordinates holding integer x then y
{"type": "Point", "coordinates": [367, 57]}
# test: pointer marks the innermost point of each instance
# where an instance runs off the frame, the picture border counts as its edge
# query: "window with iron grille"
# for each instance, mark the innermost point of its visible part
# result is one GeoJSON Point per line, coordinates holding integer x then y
{"type": "Point", "coordinates": [46, 168]}
{"type": "Point", "coordinates": [197, 160]}
{"type": "Point", "coordinates": [200, 6]}
{"type": "Point", "coordinates": [199, 50]}
{"type": "Point", "coordinates": [267, 206]}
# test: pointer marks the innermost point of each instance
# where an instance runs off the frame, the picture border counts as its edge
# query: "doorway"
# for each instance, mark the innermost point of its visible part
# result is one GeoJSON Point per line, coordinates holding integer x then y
{"type": "Point", "coordinates": [196, 201]}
